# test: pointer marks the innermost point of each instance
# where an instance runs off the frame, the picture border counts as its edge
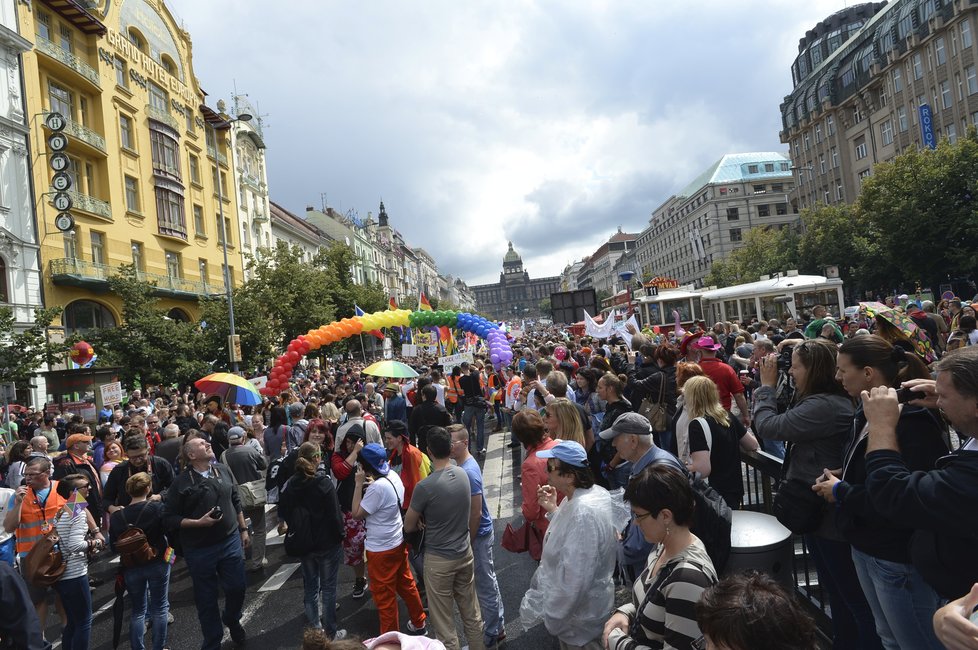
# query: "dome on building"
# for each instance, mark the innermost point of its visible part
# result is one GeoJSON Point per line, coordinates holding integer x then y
{"type": "Point", "coordinates": [511, 255]}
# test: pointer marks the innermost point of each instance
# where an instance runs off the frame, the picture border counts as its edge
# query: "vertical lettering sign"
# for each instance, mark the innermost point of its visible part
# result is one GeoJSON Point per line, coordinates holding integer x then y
{"type": "Point", "coordinates": [927, 127]}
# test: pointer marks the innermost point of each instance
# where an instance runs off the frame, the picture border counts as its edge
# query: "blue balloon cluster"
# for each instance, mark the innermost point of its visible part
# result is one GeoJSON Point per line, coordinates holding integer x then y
{"type": "Point", "coordinates": [500, 352]}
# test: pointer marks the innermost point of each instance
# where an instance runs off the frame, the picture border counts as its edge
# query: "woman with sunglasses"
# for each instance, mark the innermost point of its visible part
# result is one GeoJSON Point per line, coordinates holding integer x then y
{"type": "Point", "coordinates": [79, 536]}
{"type": "Point", "coordinates": [572, 591]}
{"type": "Point", "coordinates": [310, 493]}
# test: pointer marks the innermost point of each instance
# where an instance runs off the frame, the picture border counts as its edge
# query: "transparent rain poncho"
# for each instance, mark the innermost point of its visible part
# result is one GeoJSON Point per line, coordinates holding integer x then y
{"type": "Point", "coordinates": [572, 591]}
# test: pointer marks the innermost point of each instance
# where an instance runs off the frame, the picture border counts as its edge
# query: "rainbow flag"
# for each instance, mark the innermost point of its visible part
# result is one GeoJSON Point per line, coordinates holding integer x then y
{"type": "Point", "coordinates": [169, 555]}
{"type": "Point", "coordinates": [77, 503]}
{"type": "Point", "coordinates": [359, 312]}
{"type": "Point", "coordinates": [423, 304]}
{"type": "Point", "coordinates": [392, 305]}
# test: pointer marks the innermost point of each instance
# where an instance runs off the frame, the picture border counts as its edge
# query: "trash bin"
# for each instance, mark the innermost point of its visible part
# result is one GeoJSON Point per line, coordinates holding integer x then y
{"type": "Point", "coordinates": [759, 541]}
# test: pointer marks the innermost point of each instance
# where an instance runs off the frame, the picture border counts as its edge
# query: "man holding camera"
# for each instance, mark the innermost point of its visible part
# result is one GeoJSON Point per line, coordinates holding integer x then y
{"type": "Point", "coordinates": [203, 505]}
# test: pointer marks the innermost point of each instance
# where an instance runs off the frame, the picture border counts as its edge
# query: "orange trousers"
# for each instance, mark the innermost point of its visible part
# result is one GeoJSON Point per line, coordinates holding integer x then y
{"type": "Point", "coordinates": [390, 576]}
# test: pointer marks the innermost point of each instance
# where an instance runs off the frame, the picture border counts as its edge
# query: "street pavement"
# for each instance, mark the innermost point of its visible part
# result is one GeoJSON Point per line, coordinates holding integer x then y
{"type": "Point", "coordinates": [273, 615]}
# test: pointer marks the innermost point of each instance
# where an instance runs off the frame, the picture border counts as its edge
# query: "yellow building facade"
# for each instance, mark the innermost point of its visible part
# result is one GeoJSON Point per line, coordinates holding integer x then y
{"type": "Point", "coordinates": [146, 157]}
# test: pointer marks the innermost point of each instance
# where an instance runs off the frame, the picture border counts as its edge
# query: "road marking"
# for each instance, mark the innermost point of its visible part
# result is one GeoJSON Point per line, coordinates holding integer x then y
{"type": "Point", "coordinates": [280, 577]}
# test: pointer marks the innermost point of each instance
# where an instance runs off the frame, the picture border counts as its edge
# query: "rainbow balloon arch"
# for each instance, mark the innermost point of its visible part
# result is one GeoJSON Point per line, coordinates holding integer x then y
{"type": "Point", "coordinates": [500, 351]}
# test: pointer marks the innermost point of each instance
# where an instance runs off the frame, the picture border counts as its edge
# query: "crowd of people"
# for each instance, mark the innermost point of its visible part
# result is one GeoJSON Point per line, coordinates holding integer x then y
{"type": "Point", "coordinates": [383, 476]}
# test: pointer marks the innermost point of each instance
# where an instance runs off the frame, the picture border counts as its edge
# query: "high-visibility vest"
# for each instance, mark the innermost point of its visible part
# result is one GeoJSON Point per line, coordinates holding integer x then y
{"type": "Point", "coordinates": [451, 390]}
{"type": "Point", "coordinates": [33, 518]}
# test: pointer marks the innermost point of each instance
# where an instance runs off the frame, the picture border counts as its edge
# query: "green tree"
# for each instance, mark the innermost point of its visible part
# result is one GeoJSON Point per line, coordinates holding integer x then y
{"type": "Point", "coordinates": [23, 352]}
{"type": "Point", "coordinates": [921, 209]}
{"type": "Point", "coordinates": [253, 323]}
{"type": "Point", "coordinates": [840, 235]}
{"type": "Point", "coordinates": [765, 251]}
{"type": "Point", "coordinates": [545, 307]}
{"type": "Point", "coordinates": [148, 347]}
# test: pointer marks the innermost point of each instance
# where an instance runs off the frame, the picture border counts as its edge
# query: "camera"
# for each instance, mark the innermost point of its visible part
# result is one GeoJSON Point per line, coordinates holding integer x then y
{"type": "Point", "coordinates": [217, 513]}
{"type": "Point", "coordinates": [905, 395]}
{"type": "Point", "coordinates": [784, 360]}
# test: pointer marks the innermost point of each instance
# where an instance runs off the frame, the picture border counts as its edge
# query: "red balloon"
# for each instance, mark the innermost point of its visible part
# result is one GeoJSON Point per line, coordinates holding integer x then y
{"type": "Point", "coordinates": [292, 356]}
{"type": "Point", "coordinates": [81, 353]}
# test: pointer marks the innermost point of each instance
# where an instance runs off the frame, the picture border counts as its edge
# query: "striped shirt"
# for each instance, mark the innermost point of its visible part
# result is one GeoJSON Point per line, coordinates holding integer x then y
{"type": "Point", "coordinates": [72, 530]}
{"type": "Point", "coordinates": [661, 613]}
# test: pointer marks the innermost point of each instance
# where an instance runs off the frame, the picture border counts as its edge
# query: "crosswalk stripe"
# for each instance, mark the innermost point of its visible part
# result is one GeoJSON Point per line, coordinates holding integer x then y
{"type": "Point", "coordinates": [280, 577]}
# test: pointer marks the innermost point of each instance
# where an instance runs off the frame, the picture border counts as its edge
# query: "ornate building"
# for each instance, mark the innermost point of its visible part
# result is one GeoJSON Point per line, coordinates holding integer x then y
{"type": "Point", "coordinates": [250, 181]}
{"type": "Point", "coordinates": [515, 295]}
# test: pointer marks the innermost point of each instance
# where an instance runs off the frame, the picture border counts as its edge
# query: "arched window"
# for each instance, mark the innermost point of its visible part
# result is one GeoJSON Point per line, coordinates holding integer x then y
{"type": "Point", "coordinates": [168, 64]}
{"type": "Point", "coordinates": [178, 315]}
{"type": "Point", "coordinates": [138, 40]}
{"type": "Point", "coordinates": [83, 315]}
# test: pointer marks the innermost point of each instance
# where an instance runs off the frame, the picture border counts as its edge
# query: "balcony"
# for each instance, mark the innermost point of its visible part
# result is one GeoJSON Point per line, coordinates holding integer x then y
{"type": "Point", "coordinates": [84, 134]}
{"type": "Point", "coordinates": [90, 204]}
{"type": "Point", "coordinates": [162, 116]}
{"type": "Point", "coordinates": [69, 60]}
{"type": "Point", "coordinates": [252, 181]}
{"type": "Point", "coordinates": [259, 215]}
{"type": "Point", "coordinates": [88, 275]}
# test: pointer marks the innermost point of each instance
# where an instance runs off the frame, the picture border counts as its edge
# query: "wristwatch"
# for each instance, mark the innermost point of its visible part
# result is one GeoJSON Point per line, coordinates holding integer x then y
{"type": "Point", "coordinates": [242, 529]}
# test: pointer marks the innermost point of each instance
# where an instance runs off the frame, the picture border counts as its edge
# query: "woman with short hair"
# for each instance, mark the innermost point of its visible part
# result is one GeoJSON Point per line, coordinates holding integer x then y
{"type": "Point", "coordinates": [153, 577]}
{"type": "Point", "coordinates": [678, 570]}
{"type": "Point", "coordinates": [529, 429]}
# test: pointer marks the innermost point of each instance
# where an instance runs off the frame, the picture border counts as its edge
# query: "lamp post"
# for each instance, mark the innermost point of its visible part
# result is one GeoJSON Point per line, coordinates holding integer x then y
{"type": "Point", "coordinates": [626, 277]}
{"type": "Point", "coordinates": [232, 352]}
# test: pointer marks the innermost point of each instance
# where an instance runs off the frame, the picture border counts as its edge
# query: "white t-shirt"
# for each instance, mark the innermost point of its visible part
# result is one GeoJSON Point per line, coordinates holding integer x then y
{"type": "Point", "coordinates": [385, 530]}
{"type": "Point", "coordinates": [439, 394]}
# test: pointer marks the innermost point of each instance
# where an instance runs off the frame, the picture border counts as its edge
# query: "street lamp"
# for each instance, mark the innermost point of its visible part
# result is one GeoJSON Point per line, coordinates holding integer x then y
{"type": "Point", "coordinates": [232, 353]}
{"type": "Point", "coordinates": [626, 277]}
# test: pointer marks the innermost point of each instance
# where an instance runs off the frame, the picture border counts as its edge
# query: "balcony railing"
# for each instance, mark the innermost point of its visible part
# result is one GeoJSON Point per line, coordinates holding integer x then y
{"type": "Point", "coordinates": [81, 270]}
{"type": "Point", "coordinates": [163, 116]}
{"type": "Point", "coordinates": [252, 181]}
{"type": "Point", "coordinates": [90, 204]}
{"type": "Point", "coordinates": [83, 133]}
{"type": "Point", "coordinates": [68, 59]}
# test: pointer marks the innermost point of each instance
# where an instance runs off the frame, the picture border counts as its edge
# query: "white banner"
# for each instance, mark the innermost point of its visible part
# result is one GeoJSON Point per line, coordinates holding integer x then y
{"type": "Point", "coordinates": [259, 382]}
{"type": "Point", "coordinates": [594, 330]}
{"type": "Point", "coordinates": [409, 350]}
{"type": "Point", "coordinates": [453, 360]}
{"type": "Point", "coordinates": [111, 393]}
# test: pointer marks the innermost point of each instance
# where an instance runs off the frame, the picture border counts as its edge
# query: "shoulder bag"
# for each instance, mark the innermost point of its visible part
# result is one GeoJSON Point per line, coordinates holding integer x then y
{"type": "Point", "coordinates": [416, 539]}
{"type": "Point", "coordinates": [44, 564]}
{"type": "Point", "coordinates": [796, 506]}
{"type": "Point", "coordinates": [655, 412]}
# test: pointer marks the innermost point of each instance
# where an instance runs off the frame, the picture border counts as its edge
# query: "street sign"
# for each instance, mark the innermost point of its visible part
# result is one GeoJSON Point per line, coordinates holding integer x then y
{"type": "Point", "coordinates": [8, 392]}
{"type": "Point", "coordinates": [111, 393]}
{"type": "Point", "coordinates": [58, 142]}
{"type": "Point", "coordinates": [62, 202]}
{"type": "Point", "coordinates": [234, 348]}
{"type": "Point", "coordinates": [55, 121]}
{"type": "Point", "coordinates": [60, 162]}
{"type": "Point", "coordinates": [64, 221]}
{"type": "Point", "coordinates": [61, 182]}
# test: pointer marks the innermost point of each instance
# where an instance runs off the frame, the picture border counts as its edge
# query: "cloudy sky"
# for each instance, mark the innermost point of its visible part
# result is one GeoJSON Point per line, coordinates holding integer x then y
{"type": "Point", "coordinates": [550, 124]}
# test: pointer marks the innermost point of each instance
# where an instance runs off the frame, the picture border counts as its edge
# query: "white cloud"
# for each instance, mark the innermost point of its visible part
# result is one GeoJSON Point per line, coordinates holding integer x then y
{"type": "Point", "coordinates": [548, 123]}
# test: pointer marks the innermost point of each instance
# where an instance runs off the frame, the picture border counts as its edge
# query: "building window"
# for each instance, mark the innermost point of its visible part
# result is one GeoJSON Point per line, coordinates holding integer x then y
{"type": "Point", "coordinates": [126, 131]}
{"type": "Point", "coordinates": [71, 244]}
{"type": "Point", "coordinates": [245, 237]}
{"type": "Point", "coordinates": [781, 208]}
{"type": "Point", "coordinates": [98, 248]}
{"type": "Point", "coordinates": [835, 157]}
{"type": "Point", "coordinates": [759, 189]}
{"type": "Point", "coordinates": [194, 169]}
{"type": "Point", "coordinates": [897, 79]}
{"type": "Point", "coordinates": [120, 72]}
{"type": "Point", "coordinates": [902, 118]}
{"type": "Point", "coordinates": [946, 99]}
{"type": "Point", "coordinates": [752, 169]}
{"type": "Point", "coordinates": [830, 125]}
{"type": "Point", "coordinates": [764, 210]}
{"type": "Point", "coordinates": [777, 187]}
{"type": "Point", "coordinates": [158, 98]}
{"type": "Point", "coordinates": [65, 41]}
{"type": "Point", "coordinates": [857, 114]}
{"type": "Point", "coordinates": [166, 154]}
{"type": "Point", "coordinates": [838, 190]}
{"type": "Point", "coordinates": [951, 133]}
{"type": "Point", "coordinates": [864, 174]}
{"type": "Point", "coordinates": [173, 265]}
{"type": "Point", "coordinates": [189, 114]}
{"type": "Point", "coordinates": [199, 220]}
{"type": "Point", "coordinates": [807, 140]}
{"type": "Point", "coordinates": [44, 25]}
{"type": "Point", "coordinates": [169, 213]}
{"type": "Point", "coordinates": [224, 227]}
{"type": "Point", "coordinates": [969, 74]}
{"type": "Point", "coordinates": [818, 135]}
{"type": "Point", "coordinates": [965, 33]}
{"type": "Point", "coordinates": [132, 194]}
{"type": "Point", "coordinates": [61, 100]}
{"type": "Point", "coordinates": [821, 163]}
{"type": "Point", "coordinates": [735, 235]}
{"type": "Point", "coordinates": [137, 256]}
{"type": "Point", "coordinates": [733, 214]}
{"type": "Point", "coordinates": [768, 167]}
{"type": "Point", "coordinates": [205, 275]}
{"type": "Point", "coordinates": [4, 294]}
{"type": "Point", "coordinates": [939, 51]}
{"type": "Point", "coordinates": [861, 150]}
{"type": "Point", "coordinates": [886, 132]}
{"type": "Point", "coordinates": [918, 66]}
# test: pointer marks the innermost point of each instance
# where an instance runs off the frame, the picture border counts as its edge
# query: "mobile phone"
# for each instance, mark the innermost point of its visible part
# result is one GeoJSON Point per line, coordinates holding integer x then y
{"type": "Point", "coordinates": [217, 513]}
{"type": "Point", "coordinates": [905, 394]}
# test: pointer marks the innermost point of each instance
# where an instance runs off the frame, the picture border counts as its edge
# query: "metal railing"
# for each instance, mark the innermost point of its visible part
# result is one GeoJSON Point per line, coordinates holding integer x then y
{"type": "Point", "coordinates": [68, 59]}
{"type": "Point", "coordinates": [162, 115]}
{"type": "Point", "coordinates": [83, 133]}
{"type": "Point", "coordinates": [252, 181]}
{"type": "Point", "coordinates": [92, 271]}
{"type": "Point", "coordinates": [90, 204]}
{"type": "Point", "coordinates": [761, 472]}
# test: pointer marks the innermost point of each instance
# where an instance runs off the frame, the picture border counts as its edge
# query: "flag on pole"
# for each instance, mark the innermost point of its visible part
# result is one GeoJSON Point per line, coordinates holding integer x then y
{"type": "Point", "coordinates": [392, 305]}
{"type": "Point", "coordinates": [359, 312]}
{"type": "Point", "coordinates": [423, 304]}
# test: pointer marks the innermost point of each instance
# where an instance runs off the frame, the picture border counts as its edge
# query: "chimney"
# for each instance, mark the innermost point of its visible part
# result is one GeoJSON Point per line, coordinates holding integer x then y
{"type": "Point", "coordinates": [309, 208]}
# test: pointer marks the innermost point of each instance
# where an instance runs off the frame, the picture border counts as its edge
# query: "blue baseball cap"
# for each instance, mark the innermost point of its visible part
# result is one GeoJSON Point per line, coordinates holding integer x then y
{"type": "Point", "coordinates": [376, 455]}
{"type": "Point", "coordinates": [566, 451]}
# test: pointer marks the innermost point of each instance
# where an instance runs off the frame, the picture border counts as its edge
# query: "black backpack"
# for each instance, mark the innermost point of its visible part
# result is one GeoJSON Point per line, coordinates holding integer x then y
{"type": "Point", "coordinates": [299, 538]}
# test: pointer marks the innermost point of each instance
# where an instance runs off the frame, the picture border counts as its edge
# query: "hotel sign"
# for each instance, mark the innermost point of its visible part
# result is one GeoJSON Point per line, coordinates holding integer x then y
{"type": "Point", "coordinates": [154, 71]}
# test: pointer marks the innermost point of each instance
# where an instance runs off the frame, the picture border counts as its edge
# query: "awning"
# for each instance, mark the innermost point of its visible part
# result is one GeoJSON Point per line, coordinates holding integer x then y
{"type": "Point", "coordinates": [74, 12]}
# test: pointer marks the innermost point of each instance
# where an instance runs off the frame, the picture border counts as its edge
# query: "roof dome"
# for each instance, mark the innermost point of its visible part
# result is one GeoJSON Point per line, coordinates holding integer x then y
{"type": "Point", "coordinates": [511, 255]}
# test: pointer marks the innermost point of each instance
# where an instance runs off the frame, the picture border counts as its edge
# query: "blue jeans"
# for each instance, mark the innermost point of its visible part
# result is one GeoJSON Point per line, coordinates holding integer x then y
{"type": "Point", "coordinates": [154, 578]}
{"type": "Point", "coordinates": [77, 600]}
{"type": "Point", "coordinates": [319, 572]}
{"type": "Point", "coordinates": [853, 627]}
{"type": "Point", "coordinates": [212, 567]}
{"type": "Point", "coordinates": [480, 419]}
{"type": "Point", "coordinates": [902, 602]}
{"type": "Point", "coordinates": [773, 447]}
{"type": "Point", "coordinates": [487, 588]}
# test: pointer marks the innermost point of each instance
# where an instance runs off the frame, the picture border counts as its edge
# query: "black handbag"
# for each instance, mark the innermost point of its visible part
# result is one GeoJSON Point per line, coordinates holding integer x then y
{"type": "Point", "coordinates": [415, 540]}
{"type": "Point", "coordinates": [796, 505]}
